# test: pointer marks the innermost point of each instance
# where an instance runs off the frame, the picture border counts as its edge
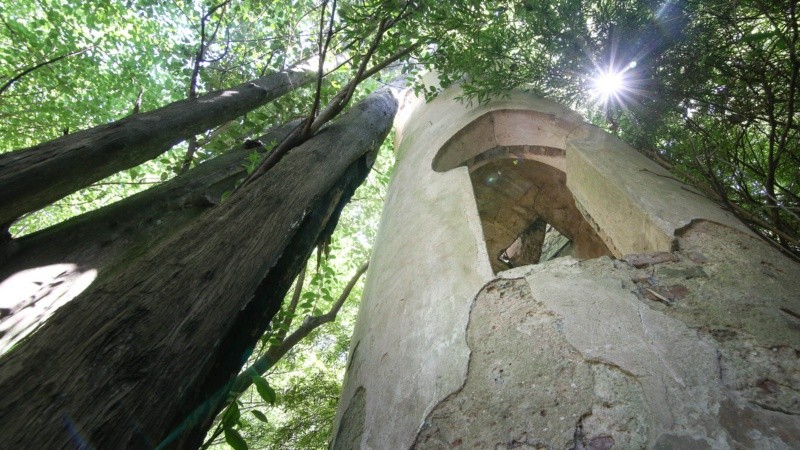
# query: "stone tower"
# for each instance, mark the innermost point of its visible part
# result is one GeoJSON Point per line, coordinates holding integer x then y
{"type": "Point", "coordinates": [536, 283]}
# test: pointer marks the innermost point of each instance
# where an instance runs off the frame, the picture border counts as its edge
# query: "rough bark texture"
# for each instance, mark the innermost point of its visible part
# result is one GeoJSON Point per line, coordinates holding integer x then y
{"type": "Point", "coordinates": [34, 177]}
{"type": "Point", "coordinates": [44, 270]}
{"type": "Point", "coordinates": [122, 365]}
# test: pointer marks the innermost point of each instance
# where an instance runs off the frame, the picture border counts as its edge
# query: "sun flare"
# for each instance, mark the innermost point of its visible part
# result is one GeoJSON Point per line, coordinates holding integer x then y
{"type": "Point", "coordinates": [608, 85]}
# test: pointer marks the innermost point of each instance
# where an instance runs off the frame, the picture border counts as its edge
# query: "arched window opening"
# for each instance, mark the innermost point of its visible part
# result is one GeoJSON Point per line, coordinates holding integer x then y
{"type": "Point", "coordinates": [527, 213]}
{"type": "Point", "coordinates": [517, 164]}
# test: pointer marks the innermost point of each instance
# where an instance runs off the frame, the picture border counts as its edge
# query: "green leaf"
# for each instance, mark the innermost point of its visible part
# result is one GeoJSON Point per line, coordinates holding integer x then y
{"type": "Point", "coordinates": [259, 415]}
{"type": "Point", "coordinates": [231, 416]}
{"type": "Point", "coordinates": [265, 390]}
{"type": "Point", "coordinates": [235, 440]}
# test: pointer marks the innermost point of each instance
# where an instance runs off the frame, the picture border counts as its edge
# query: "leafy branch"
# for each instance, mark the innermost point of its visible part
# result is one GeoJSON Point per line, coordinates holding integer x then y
{"type": "Point", "coordinates": [312, 124]}
{"type": "Point", "coordinates": [282, 344]}
{"type": "Point", "coordinates": [199, 59]}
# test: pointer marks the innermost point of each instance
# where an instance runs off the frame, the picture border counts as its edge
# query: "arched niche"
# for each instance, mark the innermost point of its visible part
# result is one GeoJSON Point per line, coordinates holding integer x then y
{"type": "Point", "coordinates": [517, 166]}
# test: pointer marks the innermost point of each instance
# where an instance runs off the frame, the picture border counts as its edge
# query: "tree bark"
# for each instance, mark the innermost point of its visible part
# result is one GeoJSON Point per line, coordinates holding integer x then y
{"type": "Point", "coordinates": [55, 258]}
{"type": "Point", "coordinates": [124, 364]}
{"type": "Point", "coordinates": [34, 177]}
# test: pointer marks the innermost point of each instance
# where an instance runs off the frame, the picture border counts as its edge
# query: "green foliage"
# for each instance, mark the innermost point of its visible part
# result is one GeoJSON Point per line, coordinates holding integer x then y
{"type": "Point", "coordinates": [711, 87]}
{"type": "Point", "coordinates": [125, 50]}
{"type": "Point", "coordinates": [713, 93]}
{"type": "Point", "coordinates": [252, 161]}
{"type": "Point", "coordinates": [235, 440]}
{"type": "Point", "coordinates": [264, 390]}
{"type": "Point", "coordinates": [719, 104]}
{"type": "Point", "coordinates": [260, 415]}
{"type": "Point", "coordinates": [231, 415]}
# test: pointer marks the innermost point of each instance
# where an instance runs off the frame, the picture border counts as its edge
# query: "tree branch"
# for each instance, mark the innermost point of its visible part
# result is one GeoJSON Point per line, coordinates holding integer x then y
{"type": "Point", "coordinates": [198, 60]}
{"type": "Point", "coordinates": [323, 51]}
{"type": "Point", "coordinates": [334, 107]}
{"type": "Point", "coordinates": [290, 310]}
{"type": "Point", "coordinates": [277, 351]}
{"type": "Point", "coordinates": [17, 77]}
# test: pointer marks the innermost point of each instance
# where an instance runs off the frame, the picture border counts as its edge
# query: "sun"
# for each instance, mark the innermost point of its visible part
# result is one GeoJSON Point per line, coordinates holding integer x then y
{"type": "Point", "coordinates": [612, 84]}
{"type": "Point", "coordinates": [608, 85]}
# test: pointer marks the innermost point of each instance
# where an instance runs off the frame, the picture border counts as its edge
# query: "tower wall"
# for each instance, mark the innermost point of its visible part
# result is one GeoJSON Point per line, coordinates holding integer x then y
{"type": "Point", "coordinates": [686, 336]}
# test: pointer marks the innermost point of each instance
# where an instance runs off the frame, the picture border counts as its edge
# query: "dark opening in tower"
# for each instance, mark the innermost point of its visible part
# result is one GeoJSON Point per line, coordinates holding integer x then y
{"type": "Point", "coordinates": [528, 214]}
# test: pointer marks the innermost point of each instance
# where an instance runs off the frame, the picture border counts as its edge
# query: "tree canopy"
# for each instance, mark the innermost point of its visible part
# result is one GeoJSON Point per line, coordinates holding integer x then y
{"type": "Point", "coordinates": [706, 88]}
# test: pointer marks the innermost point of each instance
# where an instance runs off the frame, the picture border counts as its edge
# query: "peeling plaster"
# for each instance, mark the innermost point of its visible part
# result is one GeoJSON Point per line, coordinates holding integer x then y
{"type": "Point", "coordinates": [692, 343]}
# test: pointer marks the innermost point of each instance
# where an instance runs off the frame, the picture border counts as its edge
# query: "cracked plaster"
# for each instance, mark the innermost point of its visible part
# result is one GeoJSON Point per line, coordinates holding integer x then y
{"type": "Point", "coordinates": [696, 350]}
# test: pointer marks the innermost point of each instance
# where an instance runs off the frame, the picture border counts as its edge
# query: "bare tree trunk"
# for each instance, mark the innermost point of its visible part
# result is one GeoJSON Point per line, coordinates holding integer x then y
{"type": "Point", "coordinates": [34, 177]}
{"type": "Point", "coordinates": [124, 364]}
{"type": "Point", "coordinates": [56, 259]}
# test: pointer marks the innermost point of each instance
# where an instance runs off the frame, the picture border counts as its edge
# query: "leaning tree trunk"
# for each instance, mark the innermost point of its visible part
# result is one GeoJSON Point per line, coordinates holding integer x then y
{"type": "Point", "coordinates": [125, 363]}
{"type": "Point", "coordinates": [34, 177]}
{"type": "Point", "coordinates": [46, 269]}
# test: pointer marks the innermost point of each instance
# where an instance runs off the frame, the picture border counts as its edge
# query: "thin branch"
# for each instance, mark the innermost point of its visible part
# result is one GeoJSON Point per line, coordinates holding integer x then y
{"type": "Point", "coordinates": [311, 323]}
{"type": "Point", "coordinates": [215, 133]}
{"type": "Point", "coordinates": [137, 105]}
{"type": "Point", "coordinates": [39, 66]}
{"type": "Point", "coordinates": [198, 60]}
{"type": "Point", "coordinates": [290, 310]}
{"type": "Point", "coordinates": [340, 101]}
{"type": "Point", "coordinates": [117, 183]}
{"type": "Point", "coordinates": [323, 51]}
{"type": "Point", "coordinates": [334, 107]}
{"type": "Point", "coordinates": [200, 55]}
{"type": "Point", "coordinates": [191, 147]}
{"type": "Point", "coordinates": [718, 196]}
{"type": "Point", "coordinates": [277, 351]}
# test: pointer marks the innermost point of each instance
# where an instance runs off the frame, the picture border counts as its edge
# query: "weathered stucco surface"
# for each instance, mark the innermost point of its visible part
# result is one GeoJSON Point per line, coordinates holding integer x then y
{"type": "Point", "coordinates": [432, 219]}
{"type": "Point", "coordinates": [691, 339]}
{"type": "Point", "coordinates": [600, 354]}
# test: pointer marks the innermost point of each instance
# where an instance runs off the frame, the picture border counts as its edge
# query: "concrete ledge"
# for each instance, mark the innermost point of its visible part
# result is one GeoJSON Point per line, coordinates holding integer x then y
{"type": "Point", "coordinates": [634, 201]}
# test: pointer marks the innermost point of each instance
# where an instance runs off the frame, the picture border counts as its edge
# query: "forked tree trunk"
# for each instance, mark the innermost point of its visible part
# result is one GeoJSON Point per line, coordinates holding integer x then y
{"type": "Point", "coordinates": [34, 177]}
{"type": "Point", "coordinates": [124, 364]}
{"type": "Point", "coordinates": [45, 270]}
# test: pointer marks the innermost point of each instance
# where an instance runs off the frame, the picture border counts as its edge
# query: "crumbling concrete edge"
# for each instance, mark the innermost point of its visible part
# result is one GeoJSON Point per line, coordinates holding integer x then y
{"type": "Point", "coordinates": [433, 405]}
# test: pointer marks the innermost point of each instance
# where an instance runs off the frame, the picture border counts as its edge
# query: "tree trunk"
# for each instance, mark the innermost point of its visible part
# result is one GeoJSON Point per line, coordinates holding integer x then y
{"type": "Point", "coordinates": [34, 177]}
{"type": "Point", "coordinates": [45, 270]}
{"type": "Point", "coordinates": [125, 363]}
